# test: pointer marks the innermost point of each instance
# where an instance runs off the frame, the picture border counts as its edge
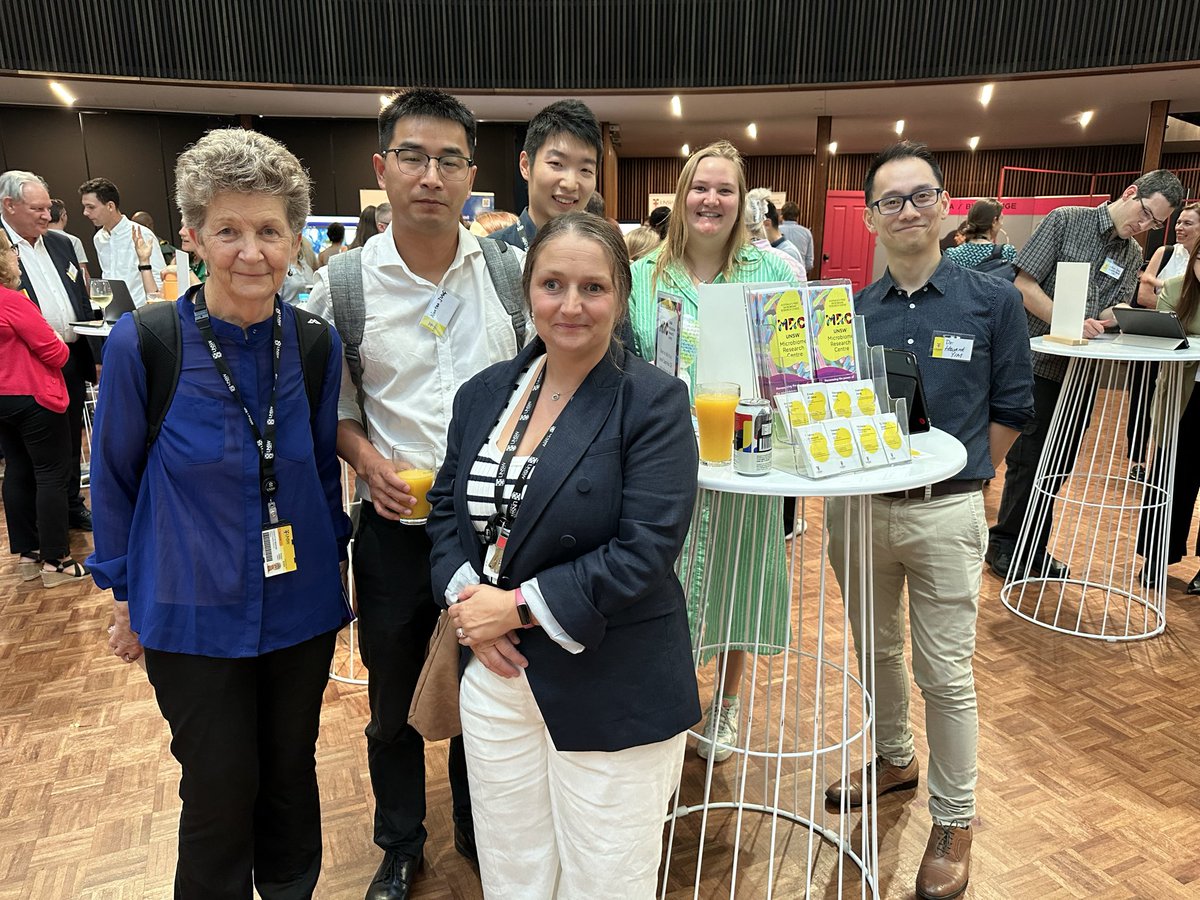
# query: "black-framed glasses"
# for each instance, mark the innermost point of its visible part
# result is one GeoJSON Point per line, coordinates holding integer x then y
{"type": "Point", "coordinates": [922, 199]}
{"type": "Point", "coordinates": [1150, 217]}
{"type": "Point", "coordinates": [413, 162]}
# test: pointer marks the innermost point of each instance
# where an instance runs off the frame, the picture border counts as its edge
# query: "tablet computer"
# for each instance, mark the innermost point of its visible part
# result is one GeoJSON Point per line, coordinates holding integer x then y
{"type": "Point", "coordinates": [904, 380]}
{"type": "Point", "coordinates": [1161, 325]}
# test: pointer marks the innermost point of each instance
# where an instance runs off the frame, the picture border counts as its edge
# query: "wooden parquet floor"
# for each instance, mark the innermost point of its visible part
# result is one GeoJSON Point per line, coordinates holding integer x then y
{"type": "Point", "coordinates": [1089, 781]}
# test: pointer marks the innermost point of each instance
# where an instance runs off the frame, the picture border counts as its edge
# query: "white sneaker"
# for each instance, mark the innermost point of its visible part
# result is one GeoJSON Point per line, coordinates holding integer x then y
{"type": "Point", "coordinates": [726, 732]}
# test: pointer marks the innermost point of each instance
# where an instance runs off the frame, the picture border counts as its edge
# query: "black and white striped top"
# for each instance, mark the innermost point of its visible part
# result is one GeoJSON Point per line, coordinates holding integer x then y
{"type": "Point", "coordinates": [481, 478]}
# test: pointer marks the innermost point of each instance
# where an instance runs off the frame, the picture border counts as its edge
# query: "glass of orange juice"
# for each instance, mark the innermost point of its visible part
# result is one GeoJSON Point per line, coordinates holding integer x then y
{"type": "Point", "coordinates": [715, 403]}
{"type": "Point", "coordinates": [413, 464]}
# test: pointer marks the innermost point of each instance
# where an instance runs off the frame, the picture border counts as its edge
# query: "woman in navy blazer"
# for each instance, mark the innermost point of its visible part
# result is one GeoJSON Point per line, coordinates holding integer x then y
{"type": "Point", "coordinates": [575, 740]}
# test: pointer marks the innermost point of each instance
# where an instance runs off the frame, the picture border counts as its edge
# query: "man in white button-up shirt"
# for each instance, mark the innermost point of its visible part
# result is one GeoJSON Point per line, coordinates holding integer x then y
{"type": "Point", "coordinates": [410, 377]}
{"type": "Point", "coordinates": [52, 279]}
{"type": "Point", "coordinates": [114, 238]}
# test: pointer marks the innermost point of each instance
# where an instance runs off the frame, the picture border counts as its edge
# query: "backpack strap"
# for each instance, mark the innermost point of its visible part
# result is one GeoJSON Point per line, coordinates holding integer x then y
{"type": "Point", "coordinates": [505, 273]}
{"type": "Point", "coordinates": [350, 315]}
{"type": "Point", "coordinates": [160, 342]}
{"type": "Point", "coordinates": [315, 345]}
{"type": "Point", "coordinates": [997, 252]}
{"type": "Point", "coordinates": [1168, 252]}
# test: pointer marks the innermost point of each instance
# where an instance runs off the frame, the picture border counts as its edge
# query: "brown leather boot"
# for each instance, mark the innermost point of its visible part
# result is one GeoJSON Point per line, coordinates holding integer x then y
{"type": "Point", "coordinates": [888, 778]}
{"type": "Point", "coordinates": [946, 865]}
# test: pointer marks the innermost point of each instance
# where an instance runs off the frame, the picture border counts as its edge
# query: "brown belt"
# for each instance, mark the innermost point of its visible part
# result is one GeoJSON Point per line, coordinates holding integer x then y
{"type": "Point", "coordinates": [941, 489]}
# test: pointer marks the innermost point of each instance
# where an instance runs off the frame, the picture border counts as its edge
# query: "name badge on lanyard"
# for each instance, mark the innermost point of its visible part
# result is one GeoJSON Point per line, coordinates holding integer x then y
{"type": "Point", "coordinates": [441, 309]}
{"type": "Point", "coordinates": [667, 333]}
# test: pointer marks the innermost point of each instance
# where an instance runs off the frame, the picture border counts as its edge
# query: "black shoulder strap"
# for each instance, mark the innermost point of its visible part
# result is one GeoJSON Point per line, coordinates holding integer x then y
{"type": "Point", "coordinates": [997, 252]}
{"type": "Point", "coordinates": [315, 346]}
{"type": "Point", "coordinates": [160, 342]}
{"type": "Point", "coordinates": [1168, 252]}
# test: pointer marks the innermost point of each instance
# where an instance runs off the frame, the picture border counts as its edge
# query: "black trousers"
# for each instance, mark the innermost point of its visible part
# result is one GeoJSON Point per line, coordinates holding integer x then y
{"type": "Point", "coordinates": [76, 377]}
{"type": "Point", "coordinates": [1021, 467]}
{"type": "Point", "coordinates": [397, 616]}
{"type": "Point", "coordinates": [36, 447]}
{"type": "Point", "coordinates": [1187, 488]}
{"type": "Point", "coordinates": [245, 733]}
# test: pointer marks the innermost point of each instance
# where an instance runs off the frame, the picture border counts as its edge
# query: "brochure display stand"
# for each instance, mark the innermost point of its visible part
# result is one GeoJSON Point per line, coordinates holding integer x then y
{"type": "Point", "coordinates": [806, 708]}
{"type": "Point", "coordinates": [1100, 515]}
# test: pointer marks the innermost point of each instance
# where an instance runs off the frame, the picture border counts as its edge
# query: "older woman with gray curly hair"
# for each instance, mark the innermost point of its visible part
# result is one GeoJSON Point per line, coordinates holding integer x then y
{"type": "Point", "coordinates": [219, 525]}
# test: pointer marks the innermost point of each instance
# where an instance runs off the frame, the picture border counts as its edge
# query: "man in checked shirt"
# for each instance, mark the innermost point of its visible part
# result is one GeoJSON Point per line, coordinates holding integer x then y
{"type": "Point", "coordinates": [1102, 236]}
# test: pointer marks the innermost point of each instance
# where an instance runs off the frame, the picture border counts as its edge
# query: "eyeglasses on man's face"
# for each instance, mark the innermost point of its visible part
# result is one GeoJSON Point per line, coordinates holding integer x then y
{"type": "Point", "coordinates": [1148, 216]}
{"type": "Point", "coordinates": [413, 162]}
{"type": "Point", "coordinates": [920, 199]}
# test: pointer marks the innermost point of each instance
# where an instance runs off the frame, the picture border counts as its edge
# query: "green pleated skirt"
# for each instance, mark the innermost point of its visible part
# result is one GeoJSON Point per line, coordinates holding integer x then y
{"type": "Point", "coordinates": [737, 586]}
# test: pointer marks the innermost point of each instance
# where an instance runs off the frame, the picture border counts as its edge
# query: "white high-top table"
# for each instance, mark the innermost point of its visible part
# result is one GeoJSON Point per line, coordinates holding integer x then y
{"type": "Point", "coordinates": [806, 713]}
{"type": "Point", "coordinates": [1103, 519]}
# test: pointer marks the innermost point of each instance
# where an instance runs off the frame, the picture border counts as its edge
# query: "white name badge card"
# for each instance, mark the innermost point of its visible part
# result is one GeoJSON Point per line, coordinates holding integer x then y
{"type": "Point", "coordinates": [666, 333]}
{"type": "Point", "coordinates": [952, 346]}
{"type": "Point", "coordinates": [441, 309]}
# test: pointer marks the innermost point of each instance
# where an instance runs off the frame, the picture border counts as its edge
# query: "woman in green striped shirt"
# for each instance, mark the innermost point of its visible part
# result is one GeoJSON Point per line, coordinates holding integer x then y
{"type": "Point", "coordinates": [742, 608]}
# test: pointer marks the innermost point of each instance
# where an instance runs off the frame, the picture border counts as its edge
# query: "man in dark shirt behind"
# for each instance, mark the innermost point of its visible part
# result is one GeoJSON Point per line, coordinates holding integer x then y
{"type": "Point", "coordinates": [933, 538]}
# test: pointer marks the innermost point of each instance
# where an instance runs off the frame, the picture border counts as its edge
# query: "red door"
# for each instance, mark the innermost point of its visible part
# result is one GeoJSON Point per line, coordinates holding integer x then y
{"type": "Point", "coordinates": [849, 250]}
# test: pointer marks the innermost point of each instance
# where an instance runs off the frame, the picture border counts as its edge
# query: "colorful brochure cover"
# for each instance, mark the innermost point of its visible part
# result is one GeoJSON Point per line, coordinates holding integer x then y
{"type": "Point", "coordinates": [852, 398]}
{"type": "Point", "coordinates": [870, 441]}
{"type": "Point", "coordinates": [845, 449]}
{"type": "Point", "coordinates": [779, 339]}
{"type": "Point", "coordinates": [831, 330]}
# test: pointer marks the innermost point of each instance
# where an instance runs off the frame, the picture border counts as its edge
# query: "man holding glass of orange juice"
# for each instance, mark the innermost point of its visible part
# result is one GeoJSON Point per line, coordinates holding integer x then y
{"type": "Point", "coordinates": [420, 313]}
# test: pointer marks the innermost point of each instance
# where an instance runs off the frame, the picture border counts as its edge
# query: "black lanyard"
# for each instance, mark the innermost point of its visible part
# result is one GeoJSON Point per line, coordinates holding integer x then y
{"type": "Point", "coordinates": [506, 513]}
{"type": "Point", "coordinates": [521, 232]}
{"type": "Point", "coordinates": [264, 440]}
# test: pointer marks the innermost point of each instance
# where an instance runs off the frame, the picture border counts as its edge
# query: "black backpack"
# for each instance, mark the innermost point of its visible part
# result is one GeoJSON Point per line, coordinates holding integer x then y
{"type": "Point", "coordinates": [997, 266]}
{"type": "Point", "coordinates": [160, 341]}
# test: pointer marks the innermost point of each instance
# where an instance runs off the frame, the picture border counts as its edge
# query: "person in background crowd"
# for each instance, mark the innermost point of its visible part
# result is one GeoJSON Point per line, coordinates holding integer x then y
{"type": "Point", "coordinates": [758, 205]}
{"type": "Point", "coordinates": [706, 244]}
{"type": "Point", "coordinates": [953, 238]}
{"type": "Point", "coordinates": [144, 219]}
{"type": "Point", "coordinates": [490, 221]}
{"type": "Point", "coordinates": [983, 236]}
{"type": "Point", "coordinates": [640, 241]}
{"type": "Point", "coordinates": [58, 222]}
{"type": "Point", "coordinates": [336, 232]}
{"type": "Point", "coordinates": [52, 280]}
{"type": "Point", "coordinates": [114, 238]}
{"type": "Point", "coordinates": [565, 805]}
{"type": "Point", "coordinates": [383, 217]}
{"type": "Point", "coordinates": [775, 236]}
{"type": "Point", "coordinates": [928, 543]}
{"type": "Point", "coordinates": [1180, 293]}
{"type": "Point", "coordinates": [34, 433]}
{"type": "Point", "coordinates": [798, 234]}
{"type": "Point", "coordinates": [560, 160]}
{"type": "Point", "coordinates": [237, 639]}
{"type": "Point", "coordinates": [1104, 238]}
{"type": "Point", "coordinates": [410, 377]}
{"type": "Point", "coordinates": [595, 205]}
{"type": "Point", "coordinates": [367, 228]}
{"type": "Point", "coordinates": [658, 219]}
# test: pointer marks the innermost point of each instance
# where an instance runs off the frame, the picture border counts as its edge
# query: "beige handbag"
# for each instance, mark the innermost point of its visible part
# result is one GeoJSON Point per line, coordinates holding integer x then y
{"type": "Point", "coordinates": [434, 709]}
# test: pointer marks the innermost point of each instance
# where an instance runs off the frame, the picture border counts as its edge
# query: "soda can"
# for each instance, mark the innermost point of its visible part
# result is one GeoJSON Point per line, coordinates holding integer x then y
{"type": "Point", "coordinates": [752, 437]}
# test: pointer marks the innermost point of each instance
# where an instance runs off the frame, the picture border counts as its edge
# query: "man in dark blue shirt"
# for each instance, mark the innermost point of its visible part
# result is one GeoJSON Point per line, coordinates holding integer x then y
{"type": "Point", "coordinates": [968, 333]}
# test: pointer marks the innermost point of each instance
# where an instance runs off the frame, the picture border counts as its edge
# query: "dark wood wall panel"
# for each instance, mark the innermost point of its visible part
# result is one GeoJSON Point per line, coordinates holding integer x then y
{"type": "Point", "coordinates": [126, 148]}
{"type": "Point", "coordinates": [590, 44]}
{"type": "Point", "coordinates": [966, 174]}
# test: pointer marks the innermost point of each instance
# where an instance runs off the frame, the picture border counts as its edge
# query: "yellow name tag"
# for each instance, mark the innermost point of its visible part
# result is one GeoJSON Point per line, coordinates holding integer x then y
{"type": "Point", "coordinates": [279, 553]}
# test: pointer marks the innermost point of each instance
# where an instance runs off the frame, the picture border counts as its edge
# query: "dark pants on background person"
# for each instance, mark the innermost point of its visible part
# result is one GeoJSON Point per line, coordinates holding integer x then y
{"type": "Point", "coordinates": [35, 445]}
{"type": "Point", "coordinates": [1137, 425]}
{"type": "Point", "coordinates": [1021, 464]}
{"type": "Point", "coordinates": [76, 377]}
{"type": "Point", "coordinates": [1187, 488]}
{"type": "Point", "coordinates": [245, 733]}
{"type": "Point", "coordinates": [397, 616]}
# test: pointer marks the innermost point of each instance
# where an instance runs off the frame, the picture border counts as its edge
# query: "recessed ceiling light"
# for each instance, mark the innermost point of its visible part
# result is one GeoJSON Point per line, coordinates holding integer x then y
{"type": "Point", "coordinates": [752, 130]}
{"type": "Point", "coordinates": [62, 93]}
{"type": "Point", "coordinates": [676, 107]}
{"type": "Point", "coordinates": [973, 142]}
{"type": "Point", "coordinates": [685, 150]}
{"type": "Point", "coordinates": [833, 146]}
{"type": "Point", "coordinates": [1085, 118]}
{"type": "Point", "coordinates": [985, 94]}
{"type": "Point", "coordinates": [899, 126]}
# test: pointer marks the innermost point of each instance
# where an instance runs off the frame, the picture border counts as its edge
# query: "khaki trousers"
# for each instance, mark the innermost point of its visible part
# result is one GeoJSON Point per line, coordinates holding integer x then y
{"type": "Point", "coordinates": [937, 547]}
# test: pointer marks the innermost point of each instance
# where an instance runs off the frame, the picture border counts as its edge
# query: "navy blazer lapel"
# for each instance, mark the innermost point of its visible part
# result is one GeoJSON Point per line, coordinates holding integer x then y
{"type": "Point", "coordinates": [575, 431]}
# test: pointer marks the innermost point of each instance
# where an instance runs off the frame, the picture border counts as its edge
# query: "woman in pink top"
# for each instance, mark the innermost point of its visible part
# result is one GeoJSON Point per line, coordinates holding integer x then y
{"type": "Point", "coordinates": [34, 435]}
